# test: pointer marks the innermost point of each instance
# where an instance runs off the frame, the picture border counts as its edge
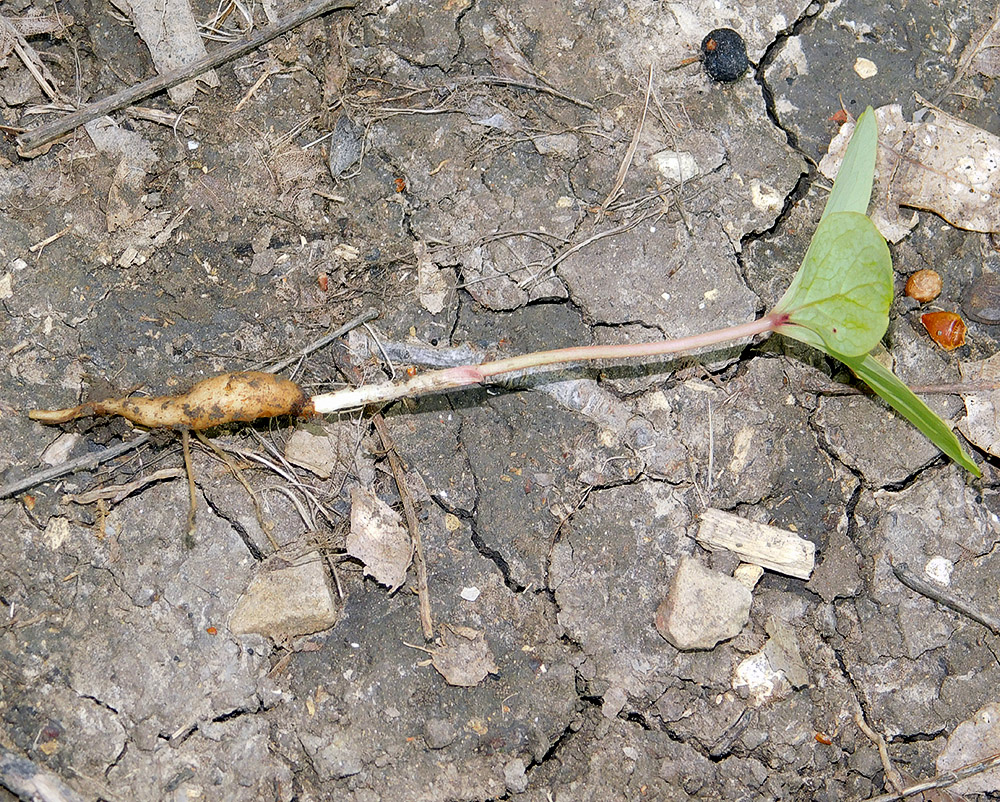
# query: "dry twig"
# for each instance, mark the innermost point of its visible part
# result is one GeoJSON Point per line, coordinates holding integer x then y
{"type": "Point", "coordinates": [942, 596]}
{"type": "Point", "coordinates": [116, 493]}
{"type": "Point", "coordinates": [79, 464]}
{"type": "Point", "coordinates": [942, 780]}
{"type": "Point", "coordinates": [894, 777]}
{"type": "Point", "coordinates": [47, 133]}
{"type": "Point", "coordinates": [325, 340]}
{"type": "Point", "coordinates": [630, 153]}
{"type": "Point", "coordinates": [409, 512]}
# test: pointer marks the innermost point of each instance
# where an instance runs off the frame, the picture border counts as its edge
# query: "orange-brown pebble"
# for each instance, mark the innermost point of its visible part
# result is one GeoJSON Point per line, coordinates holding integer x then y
{"type": "Point", "coordinates": [924, 286]}
{"type": "Point", "coordinates": [946, 329]}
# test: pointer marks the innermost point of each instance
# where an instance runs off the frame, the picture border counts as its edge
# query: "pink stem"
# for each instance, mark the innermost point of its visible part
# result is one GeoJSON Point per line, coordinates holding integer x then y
{"type": "Point", "coordinates": [466, 375]}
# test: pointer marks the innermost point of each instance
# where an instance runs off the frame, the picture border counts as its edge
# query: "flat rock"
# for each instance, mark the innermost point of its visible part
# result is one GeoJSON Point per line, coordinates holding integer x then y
{"type": "Point", "coordinates": [335, 757]}
{"type": "Point", "coordinates": [289, 601]}
{"type": "Point", "coordinates": [973, 740]}
{"type": "Point", "coordinates": [439, 733]}
{"type": "Point", "coordinates": [869, 437]}
{"type": "Point", "coordinates": [838, 574]}
{"type": "Point", "coordinates": [703, 607]}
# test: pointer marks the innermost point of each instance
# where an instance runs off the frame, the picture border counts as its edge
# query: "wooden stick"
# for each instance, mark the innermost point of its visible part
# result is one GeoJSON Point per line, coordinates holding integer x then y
{"type": "Point", "coordinates": [423, 592]}
{"type": "Point", "coordinates": [945, 597]}
{"type": "Point", "coordinates": [73, 465]}
{"type": "Point", "coordinates": [46, 133]}
{"type": "Point", "coordinates": [767, 546]}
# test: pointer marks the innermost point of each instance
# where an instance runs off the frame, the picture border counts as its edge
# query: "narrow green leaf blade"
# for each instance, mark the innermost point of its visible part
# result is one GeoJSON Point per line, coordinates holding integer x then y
{"type": "Point", "coordinates": [843, 289]}
{"type": "Point", "coordinates": [901, 398]}
{"type": "Point", "coordinates": [852, 189]}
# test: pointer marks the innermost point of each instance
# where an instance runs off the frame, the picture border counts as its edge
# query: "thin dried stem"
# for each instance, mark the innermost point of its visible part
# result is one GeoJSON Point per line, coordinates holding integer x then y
{"type": "Point", "coordinates": [192, 494]}
{"type": "Point", "coordinates": [469, 375]}
{"type": "Point", "coordinates": [133, 94]}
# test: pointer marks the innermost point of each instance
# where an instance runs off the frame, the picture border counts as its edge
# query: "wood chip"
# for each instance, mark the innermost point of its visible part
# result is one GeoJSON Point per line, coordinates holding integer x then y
{"type": "Point", "coordinates": [767, 546]}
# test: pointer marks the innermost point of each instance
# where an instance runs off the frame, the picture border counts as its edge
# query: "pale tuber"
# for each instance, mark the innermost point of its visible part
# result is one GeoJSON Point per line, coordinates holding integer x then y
{"type": "Point", "coordinates": [226, 398]}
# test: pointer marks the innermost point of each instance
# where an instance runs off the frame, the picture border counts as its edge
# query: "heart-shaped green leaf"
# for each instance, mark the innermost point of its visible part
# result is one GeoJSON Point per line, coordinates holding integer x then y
{"type": "Point", "coordinates": [843, 289]}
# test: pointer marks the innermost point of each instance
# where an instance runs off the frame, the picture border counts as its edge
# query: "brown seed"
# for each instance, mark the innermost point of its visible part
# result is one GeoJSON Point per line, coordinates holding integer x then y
{"type": "Point", "coordinates": [946, 329]}
{"type": "Point", "coordinates": [923, 286]}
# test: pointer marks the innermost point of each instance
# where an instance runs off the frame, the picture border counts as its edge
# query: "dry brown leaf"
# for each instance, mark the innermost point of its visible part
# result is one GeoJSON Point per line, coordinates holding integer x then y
{"type": "Point", "coordinates": [136, 158]}
{"type": "Point", "coordinates": [942, 165]}
{"type": "Point", "coordinates": [378, 539]}
{"type": "Point", "coordinates": [170, 31]}
{"type": "Point", "coordinates": [465, 659]}
{"type": "Point", "coordinates": [982, 54]}
{"type": "Point", "coordinates": [981, 424]}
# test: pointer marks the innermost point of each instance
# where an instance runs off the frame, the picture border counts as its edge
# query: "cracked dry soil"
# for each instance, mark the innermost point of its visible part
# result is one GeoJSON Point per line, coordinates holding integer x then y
{"type": "Point", "coordinates": [491, 133]}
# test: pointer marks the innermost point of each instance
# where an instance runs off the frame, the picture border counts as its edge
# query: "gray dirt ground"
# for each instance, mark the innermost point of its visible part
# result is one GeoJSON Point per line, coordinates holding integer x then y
{"type": "Point", "coordinates": [568, 500]}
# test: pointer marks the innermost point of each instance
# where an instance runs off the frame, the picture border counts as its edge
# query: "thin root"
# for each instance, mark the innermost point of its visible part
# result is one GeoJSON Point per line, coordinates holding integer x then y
{"type": "Point", "coordinates": [192, 495]}
{"type": "Point", "coordinates": [230, 463]}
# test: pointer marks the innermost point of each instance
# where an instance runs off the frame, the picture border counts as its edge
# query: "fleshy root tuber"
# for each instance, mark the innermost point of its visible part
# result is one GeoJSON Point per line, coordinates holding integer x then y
{"type": "Point", "coordinates": [227, 398]}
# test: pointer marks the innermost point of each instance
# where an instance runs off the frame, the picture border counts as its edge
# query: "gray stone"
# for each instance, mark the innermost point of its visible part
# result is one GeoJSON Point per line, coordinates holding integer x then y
{"type": "Point", "coordinates": [337, 760]}
{"type": "Point", "coordinates": [333, 757]}
{"type": "Point", "coordinates": [289, 601]}
{"type": "Point", "coordinates": [514, 776]}
{"type": "Point", "coordinates": [783, 652]}
{"type": "Point", "coordinates": [703, 608]}
{"type": "Point", "coordinates": [438, 733]}
{"type": "Point", "coordinates": [838, 574]}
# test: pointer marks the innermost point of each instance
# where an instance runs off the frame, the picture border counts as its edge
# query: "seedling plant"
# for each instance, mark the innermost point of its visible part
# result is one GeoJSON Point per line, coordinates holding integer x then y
{"type": "Point", "coordinates": [838, 302]}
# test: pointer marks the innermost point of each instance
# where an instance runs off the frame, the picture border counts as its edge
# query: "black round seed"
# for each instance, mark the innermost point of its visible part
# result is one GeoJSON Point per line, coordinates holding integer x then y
{"type": "Point", "coordinates": [725, 55]}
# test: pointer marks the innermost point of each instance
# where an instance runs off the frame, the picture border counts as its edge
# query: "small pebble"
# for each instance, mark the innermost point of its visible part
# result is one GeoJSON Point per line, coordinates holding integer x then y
{"type": "Point", "coordinates": [438, 733]}
{"type": "Point", "coordinates": [924, 286]}
{"type": "Point", "coordinates": [939, 569]}
{"type": "Point", "coordinates": [725, 55]}
{"type": "Point", "coordinates": [982, 302]}
{"type": "Point", "coordinates": [514, 776]}
{"type": "Point", "coordinates": [865, 68]}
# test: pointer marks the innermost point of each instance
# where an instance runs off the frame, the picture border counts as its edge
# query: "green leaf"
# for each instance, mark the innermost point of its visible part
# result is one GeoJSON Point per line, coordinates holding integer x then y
{"type": "Point", "coordinates": [901, 398]}
{"type": "Point", "coordinates": [843, 289]}
{"type": "Point", "coordinates": [839, 300]}
{"type": "Point", "coordinates": [852, 190]}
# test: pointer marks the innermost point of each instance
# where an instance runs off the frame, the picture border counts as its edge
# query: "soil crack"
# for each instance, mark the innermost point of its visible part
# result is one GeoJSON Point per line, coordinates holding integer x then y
{"type": "Point", "coordinates": [238, 527]}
